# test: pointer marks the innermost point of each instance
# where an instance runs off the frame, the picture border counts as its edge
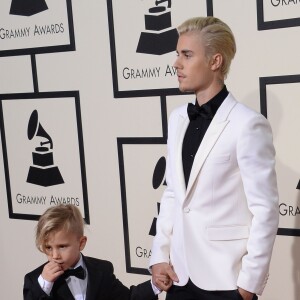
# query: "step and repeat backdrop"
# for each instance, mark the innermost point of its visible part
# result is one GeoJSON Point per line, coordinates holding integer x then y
{"type": "Point", "coordinates": [85, 94]}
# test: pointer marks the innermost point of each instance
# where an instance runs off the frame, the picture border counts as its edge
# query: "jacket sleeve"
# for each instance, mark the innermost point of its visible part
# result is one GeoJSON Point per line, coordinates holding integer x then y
{"type": "Point", "coordinates": [142, 291]}
{"type": "Point", "coordinates": [160, 251]}
{"type": "Point", "coordinates": [115, 290]}
{"type": "Point", "coordinates": [32, 289]}
{"type": "Point", "coordinates": [256, 159]}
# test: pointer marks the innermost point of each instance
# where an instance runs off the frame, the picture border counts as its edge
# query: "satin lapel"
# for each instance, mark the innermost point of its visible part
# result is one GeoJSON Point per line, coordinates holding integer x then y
{"type": "Point", "coordinates": [182, 126]}
{"type": "Point", "coordinates": [94, 277]}
{"type": "Point", "coordinates": [213, 132]}
{"type": "Point", "coordinates": [207, 144]}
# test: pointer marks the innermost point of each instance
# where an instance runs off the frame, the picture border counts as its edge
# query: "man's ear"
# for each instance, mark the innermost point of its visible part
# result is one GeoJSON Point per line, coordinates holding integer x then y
{"type": "Point", "coordinates": [216, 62]}
{"type": "Point", "coordinates": [82, 242]}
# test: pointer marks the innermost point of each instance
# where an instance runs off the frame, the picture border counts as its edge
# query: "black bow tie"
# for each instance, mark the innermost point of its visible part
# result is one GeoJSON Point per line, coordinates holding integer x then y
{"type": "Point", "coordinates": [203, 111]}
{"type": "Point", "coordinates": [79, 272]}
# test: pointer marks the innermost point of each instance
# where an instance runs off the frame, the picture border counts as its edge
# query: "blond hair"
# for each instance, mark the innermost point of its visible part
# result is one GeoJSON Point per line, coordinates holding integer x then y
{"type": "Point", "coordinates": [61, 217]}
{"type": "Point", "coordinates": [217, 38]}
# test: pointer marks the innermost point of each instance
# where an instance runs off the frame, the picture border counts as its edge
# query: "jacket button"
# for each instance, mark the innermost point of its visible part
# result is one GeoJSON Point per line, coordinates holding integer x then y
{"type": "Point", "coordinates": [186, 210]}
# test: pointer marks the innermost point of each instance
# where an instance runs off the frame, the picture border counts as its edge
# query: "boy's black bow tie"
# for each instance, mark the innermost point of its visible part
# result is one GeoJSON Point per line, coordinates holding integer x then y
{"type": "Point", "coordinates": [203, 111]}
{"type": "Point", "coordinates": [79, 272]}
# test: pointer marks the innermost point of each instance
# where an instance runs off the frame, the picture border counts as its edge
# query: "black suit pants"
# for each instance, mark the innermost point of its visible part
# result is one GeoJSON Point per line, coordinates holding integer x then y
{"type": "Point", "coordinates": [192, 292]}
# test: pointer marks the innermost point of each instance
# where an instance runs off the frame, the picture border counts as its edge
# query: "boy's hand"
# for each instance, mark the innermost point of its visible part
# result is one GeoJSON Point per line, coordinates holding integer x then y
{"type": "Point", "coordinates": [52, 270]}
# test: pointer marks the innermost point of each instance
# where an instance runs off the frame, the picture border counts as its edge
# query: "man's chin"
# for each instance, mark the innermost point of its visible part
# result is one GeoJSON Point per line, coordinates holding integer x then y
{"type": "Point", "coordinates": [185, 90]}
{"type": "Point", "coordinates": [181, 89]}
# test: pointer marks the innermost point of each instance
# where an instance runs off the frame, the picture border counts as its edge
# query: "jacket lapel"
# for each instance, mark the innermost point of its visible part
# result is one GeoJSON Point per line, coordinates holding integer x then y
{"type": "Point", "coordinates": [211, 136]}
{"type": "Point", "coordinates": [183, 123]}
{"type": "Point", "coordinates": [94, 276]}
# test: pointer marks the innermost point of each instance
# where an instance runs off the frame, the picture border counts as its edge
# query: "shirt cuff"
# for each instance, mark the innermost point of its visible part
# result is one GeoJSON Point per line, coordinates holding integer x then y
{"type": "Point", "coordinates": [155, 289]}
{"type": "Point", "coordinates": [45, 285]}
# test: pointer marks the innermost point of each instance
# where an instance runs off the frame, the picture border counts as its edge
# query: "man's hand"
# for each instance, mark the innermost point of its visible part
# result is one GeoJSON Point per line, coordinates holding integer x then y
{"type": "Point", "coordinates": [163, 276]}
{"type": "Point", "coordinates": [52, 270]}
{"type": "Point", "coordinates": [245, 294]}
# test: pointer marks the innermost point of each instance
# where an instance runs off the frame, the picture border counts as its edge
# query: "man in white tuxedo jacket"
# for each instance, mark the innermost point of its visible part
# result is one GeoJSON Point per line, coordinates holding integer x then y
{"type": "Point", "coordinates": [219, 213]}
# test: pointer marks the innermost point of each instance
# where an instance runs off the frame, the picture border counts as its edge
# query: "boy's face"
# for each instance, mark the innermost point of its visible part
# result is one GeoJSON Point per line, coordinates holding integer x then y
{"type": "Point", "coordinates": [64, 248]}
{"type": "Point", "coordinates": [193, 68]}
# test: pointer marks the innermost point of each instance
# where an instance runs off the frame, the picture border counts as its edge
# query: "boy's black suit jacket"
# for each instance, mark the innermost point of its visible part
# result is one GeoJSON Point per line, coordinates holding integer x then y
{"type": "Point", "coordinates": [102, 285]}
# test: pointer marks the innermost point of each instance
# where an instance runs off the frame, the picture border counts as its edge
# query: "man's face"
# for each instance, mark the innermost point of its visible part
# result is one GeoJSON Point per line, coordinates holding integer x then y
{"type": "Point", "coordinates": [64, 248]}
{"type": "Point", "coordinates": [193, 67]}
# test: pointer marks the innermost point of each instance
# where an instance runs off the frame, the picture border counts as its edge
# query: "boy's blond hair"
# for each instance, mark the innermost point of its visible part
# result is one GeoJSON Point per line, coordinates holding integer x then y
{"type": "Point", "coordinates": [61, 217]}
{"type": "Point", "coordinates": [217, 38]}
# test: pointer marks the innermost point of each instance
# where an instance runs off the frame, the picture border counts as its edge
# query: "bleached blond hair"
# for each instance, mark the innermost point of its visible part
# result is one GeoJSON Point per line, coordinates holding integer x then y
{"type": "Point", "coordinates": [216, 36]}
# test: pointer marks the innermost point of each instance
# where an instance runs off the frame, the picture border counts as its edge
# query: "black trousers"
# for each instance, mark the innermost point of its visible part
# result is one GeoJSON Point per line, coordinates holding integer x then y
{"type": "Point", "coordinates": [192, 292]}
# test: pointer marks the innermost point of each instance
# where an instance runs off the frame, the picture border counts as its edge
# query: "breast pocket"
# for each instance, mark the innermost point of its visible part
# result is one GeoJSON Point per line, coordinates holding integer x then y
{"type": "Point", "coordinates": [227, 233]}
{"type": "Point", "coordinates": [218, 159]}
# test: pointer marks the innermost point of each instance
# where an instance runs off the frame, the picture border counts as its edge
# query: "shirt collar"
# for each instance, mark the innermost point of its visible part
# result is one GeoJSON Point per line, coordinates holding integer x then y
{"type": "Point", "coordinates": [80, 262]}
{"type": "Point", "coordinates": [215, 102]}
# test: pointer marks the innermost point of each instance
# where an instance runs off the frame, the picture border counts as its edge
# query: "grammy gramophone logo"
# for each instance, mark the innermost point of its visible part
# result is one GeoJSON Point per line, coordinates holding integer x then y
{"type": "Point", "coordinates": [159, 37]}
{"type": "Point", "coordinates": [158, 179]}
{"type": "Point", "coordinates": [43, 171]}
{"type": "Point", "coordinates": [27, 7]}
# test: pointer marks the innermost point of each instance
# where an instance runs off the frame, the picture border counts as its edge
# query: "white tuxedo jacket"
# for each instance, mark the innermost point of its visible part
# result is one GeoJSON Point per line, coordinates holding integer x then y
{"type": "Point", "coordinates": [220, 230]}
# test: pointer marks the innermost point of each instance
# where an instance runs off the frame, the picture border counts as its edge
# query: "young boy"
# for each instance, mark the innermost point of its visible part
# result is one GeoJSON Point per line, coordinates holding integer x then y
{"type": "Point", "coordinates": [68, 274]}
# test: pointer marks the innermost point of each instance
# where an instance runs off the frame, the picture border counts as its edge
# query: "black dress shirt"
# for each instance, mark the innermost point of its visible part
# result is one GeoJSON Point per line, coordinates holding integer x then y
{"type": "Point", "coordinates": [196, 131]}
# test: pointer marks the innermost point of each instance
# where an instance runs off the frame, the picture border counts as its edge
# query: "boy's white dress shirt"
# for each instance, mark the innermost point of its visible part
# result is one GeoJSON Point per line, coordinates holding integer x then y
{"type": "Point", "coordinates": [77, 286]}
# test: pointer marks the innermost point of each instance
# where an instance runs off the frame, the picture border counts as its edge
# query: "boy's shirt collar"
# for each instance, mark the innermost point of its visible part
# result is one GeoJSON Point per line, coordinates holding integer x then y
{"type": "Point", "coordinates": [80, 263]}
